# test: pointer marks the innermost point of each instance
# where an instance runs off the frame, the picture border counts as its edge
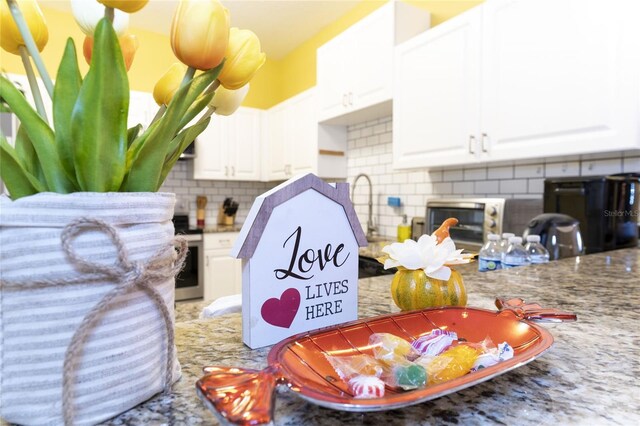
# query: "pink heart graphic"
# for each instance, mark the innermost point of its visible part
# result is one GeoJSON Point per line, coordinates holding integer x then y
{"type": "Point", "coordinates": [281, 312]}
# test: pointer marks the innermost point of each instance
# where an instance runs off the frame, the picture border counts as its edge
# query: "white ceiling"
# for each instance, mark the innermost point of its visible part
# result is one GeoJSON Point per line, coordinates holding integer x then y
{"type": "Point", "coordinates": [281, 25]}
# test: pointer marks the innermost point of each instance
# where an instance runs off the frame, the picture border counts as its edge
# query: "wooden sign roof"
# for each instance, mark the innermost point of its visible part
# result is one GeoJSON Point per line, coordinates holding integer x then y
{"type": "Point", "coordinates": [264, 204]}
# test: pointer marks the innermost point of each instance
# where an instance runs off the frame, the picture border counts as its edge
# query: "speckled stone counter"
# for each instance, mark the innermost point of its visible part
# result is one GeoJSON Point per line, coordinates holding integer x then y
{"type": "Point", "coordinates": [589, 376]}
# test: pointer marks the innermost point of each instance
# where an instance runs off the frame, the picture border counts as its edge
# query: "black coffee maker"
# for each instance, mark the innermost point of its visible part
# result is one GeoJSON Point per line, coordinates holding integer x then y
{"type": "Point", "coordinates": [607, 208]}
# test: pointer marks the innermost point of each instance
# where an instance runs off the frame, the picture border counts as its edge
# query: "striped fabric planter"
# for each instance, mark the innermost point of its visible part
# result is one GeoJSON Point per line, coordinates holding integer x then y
{"type": "Point", "coordinates": [123, 360]}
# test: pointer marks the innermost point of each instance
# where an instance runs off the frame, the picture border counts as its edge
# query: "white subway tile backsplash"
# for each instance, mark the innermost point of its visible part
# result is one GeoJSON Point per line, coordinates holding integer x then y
{"type": "Point", "coordinates": [631, 165]}
{"type": "Point", "coordinates": [486, 187]}
{"type": "Point", "coordinates": [515, 186]}
{"type": "Point", "coordinates": [475, 174]}
{"type": "Point", "coordinates": [529, 170]}
{"type": "Point", "coordinates": [463, 188]}
{"type": "Point", "coordinates": [443, 188]}
{"type": "Point", "coordinates": [536, 186]}
{"type": "Point", "coordinates": [601, 167]}
{"type": "Point", "coordinates": [562, 169]}
{"type": "Point", "coordinates": [503, 172]}
{"type": "Point", "coordinates": [452, 175]}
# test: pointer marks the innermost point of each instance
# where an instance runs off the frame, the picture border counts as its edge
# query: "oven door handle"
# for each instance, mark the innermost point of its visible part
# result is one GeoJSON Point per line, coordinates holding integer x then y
{"type": "Point", "coordinates": [457, 205]}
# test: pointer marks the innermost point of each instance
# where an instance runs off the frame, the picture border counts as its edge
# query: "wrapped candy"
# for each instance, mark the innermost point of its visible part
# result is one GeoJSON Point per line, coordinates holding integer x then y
{"type": "Point", "coordinates": [356, 365]}
{"type": "Point", "coordinates": [365, 387]}
{"type": "Point", "coordinates": [407, 376]}
{"type": "Point", "coordinates": [435, 342]}
{"type": "Point", "coordinates": [493, 356]}
{"type": "Point", "coordinates": [389, 348]}
{"type": "Point", "coordinates": [451, 364]}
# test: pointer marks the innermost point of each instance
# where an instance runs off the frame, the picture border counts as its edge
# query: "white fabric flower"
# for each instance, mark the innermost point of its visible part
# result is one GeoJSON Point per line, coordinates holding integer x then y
{"type": "Point", "coordinates": [88, 13]}
{"type": "Point", "coordinates": [426, 254]}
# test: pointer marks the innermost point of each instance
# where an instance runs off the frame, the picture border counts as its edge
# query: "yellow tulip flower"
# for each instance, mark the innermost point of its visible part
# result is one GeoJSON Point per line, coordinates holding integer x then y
{"type": "Point", "coordinates": [168, 84]}
{"type": "Point", "coordinates": [244, 59]}
{"type": "Point", "coordinates": [226, 102]}
{"type": "Point", "coordinates": [10, 38]}
{"type": "Point", "coordinates": [200, 33]}
{"type": "Point", "coordinates": [128, 6]}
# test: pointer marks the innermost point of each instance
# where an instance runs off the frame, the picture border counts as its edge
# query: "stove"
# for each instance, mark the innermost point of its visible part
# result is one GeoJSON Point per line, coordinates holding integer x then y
{"type": "Point", "coordinates": [190, 280]}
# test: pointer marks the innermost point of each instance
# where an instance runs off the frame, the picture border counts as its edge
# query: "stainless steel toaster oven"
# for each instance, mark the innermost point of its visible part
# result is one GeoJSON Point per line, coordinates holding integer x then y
{"type": "Point", "coordinates": [479, 217]}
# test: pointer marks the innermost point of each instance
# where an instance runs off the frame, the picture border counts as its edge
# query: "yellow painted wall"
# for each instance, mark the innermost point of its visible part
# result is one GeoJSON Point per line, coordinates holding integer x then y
{"type": "Point", "coordinates": [275, 82]}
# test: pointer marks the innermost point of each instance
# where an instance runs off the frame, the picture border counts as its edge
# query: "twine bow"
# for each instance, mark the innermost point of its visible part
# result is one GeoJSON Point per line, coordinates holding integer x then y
{"type": "Point", "coordinates": [127, 276]}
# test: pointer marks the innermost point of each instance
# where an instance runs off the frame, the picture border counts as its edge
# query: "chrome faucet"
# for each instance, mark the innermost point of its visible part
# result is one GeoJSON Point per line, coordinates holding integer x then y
{"type": "Point", "coordinates": [370, 227]}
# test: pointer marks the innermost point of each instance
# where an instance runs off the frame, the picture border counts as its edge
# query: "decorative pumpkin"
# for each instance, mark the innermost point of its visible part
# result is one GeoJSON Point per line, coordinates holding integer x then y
{"type": "Point", "coordinates": [413, 289]}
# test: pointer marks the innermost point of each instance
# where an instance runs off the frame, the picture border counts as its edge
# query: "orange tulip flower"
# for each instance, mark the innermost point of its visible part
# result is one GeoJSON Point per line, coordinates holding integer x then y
{"type": "Point", "coordinates": [128, 44]}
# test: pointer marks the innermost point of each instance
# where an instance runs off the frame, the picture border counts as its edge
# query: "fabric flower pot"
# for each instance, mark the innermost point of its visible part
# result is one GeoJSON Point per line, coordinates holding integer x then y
{"type": "Point", "coordinates": [86, 305]}
{"type": "Point", "coordinates": [413, 289]}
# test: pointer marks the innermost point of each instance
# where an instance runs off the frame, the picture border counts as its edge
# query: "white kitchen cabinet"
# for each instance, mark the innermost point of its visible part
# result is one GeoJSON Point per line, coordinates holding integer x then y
{"type": "Point", "coordinates": [142, 109]}
{"type": "Point", "coordinates": [229, 148]}
{"type": "Point", "coordinates": [511, 80]}
{"type": "Point", "coordinates": [355, 68]}
{"type": "Point", "coordinates": [223, 273]}
{"type": "Point", "coordinates": [436, 111]}
{"type": "Point", "coordinates": [297, 144]}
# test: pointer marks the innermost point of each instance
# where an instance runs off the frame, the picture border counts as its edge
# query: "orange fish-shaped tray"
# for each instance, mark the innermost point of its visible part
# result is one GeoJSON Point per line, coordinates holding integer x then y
{"type": "Point", "coordinates": [244, 396]}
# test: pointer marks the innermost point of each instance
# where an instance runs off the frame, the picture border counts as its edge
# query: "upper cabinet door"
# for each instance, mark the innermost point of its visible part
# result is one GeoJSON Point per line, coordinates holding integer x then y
{"type": "Point", "coordinates": [559, 77]}
{"type": "Point", "coordinates": [244, 152]}
{"type": "Point", "coordinates": [277, 155]}
{"type": "Point", "coordinates": [212, 147]}
{"type": "Point", "coordinates": [436, 102]}
{"type": "Point", "coordinates": [355, 69]}
{"type": "Point", "coordinates": [302, 142]}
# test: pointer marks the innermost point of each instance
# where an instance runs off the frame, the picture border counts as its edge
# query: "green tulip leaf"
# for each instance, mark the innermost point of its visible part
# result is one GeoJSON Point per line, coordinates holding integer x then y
{"type": "Point", "coordinates": [19, 182]}
{"type": "Point", "coordinates": [41, 136]}
{"type": "Point", "coordinates": [65, 94]}
{"type": "Point", "coordinates": [148, 162]}
{"type": "Point", "coordinates": [99, 118]}
{"type": "Point", "coordinates": [27, 154]}
{"type": "Point", "coordinates": [180, 143]}
{"type": "Point", "coordinates": [132, 134]}
{"type": "Point", "coordinates": [195, 109]}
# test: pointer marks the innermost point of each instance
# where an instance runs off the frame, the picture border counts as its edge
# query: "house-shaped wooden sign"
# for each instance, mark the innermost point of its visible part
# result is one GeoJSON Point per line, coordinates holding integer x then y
{"type": "Point", "coordinates": [299, 247]}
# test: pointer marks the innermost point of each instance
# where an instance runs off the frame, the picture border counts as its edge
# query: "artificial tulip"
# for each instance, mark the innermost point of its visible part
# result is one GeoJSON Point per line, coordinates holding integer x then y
{"type": "Point", "coordinates": [226, 102]}
{"type": "Point", "coordinates": [10, 38]}
{"type": "Point", "coordinates": [88, 13]}
{"type": "Point", "coordinates": [243, 59]}
{"type": "Point", "coordinates": [128, 44]}
{"type": "Point", "coordinates": [168, 84]}
{"type": "Point", "coordinates": [200, 33]}
{"type": "Point", "coordinates": [128, 6]}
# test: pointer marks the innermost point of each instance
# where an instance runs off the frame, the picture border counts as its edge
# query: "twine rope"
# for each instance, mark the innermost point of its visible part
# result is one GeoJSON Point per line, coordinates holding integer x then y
{"type": "Point", "coordinates": [127, 275]}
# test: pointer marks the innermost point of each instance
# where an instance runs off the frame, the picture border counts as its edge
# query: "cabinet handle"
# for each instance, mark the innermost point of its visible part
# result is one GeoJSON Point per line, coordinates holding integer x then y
{"type": "Point", "coordinates": [207, 260]}
{"type": "Point", "coordinates": [226, 170]}
{"type": "Point", "coordinates": [472, 142]}
{"type": "Point", "coordinates": [344, 99]}
{"type": "Point", "coordinates": [485, 138]}
{"type": "Point", "coordinates": [224, 241]}
{"type": "Point", "coordinates": [233, 171]}
{"type": "Point", "coordinates": [350, 98]}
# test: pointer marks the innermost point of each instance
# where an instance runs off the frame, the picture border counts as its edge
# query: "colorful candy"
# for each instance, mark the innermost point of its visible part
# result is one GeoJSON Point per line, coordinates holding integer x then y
{"type": "Point", "coordinates": [493, 356]}
{"type": "Point", "coordinates": [435, 342]}
{"type": "Point", "coordinates": [456, 362]}
{"type": "Point", "coordinates": [366, 387]}
{"type": "Point", "coordinates": [390, 348]}
{"type": "Point", "coordinates": [409, 376]}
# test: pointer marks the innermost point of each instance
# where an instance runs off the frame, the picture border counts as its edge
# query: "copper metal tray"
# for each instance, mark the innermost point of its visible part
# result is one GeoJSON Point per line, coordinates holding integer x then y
{"type": "Point", "coordinates": [244, 396]}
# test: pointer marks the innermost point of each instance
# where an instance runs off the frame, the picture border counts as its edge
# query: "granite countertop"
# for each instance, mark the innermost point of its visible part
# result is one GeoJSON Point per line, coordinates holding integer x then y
{"type": "Point", "coordinates": [589, 376]}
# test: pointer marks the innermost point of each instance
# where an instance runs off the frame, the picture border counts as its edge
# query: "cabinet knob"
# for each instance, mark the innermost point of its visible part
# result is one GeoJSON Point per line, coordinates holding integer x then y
{"type": "Point", "coordinates": [472, 143]}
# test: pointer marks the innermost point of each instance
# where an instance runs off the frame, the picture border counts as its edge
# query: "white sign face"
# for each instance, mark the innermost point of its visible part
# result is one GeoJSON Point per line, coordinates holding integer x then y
{"type": "Point", "coordinates": [303, 274]}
